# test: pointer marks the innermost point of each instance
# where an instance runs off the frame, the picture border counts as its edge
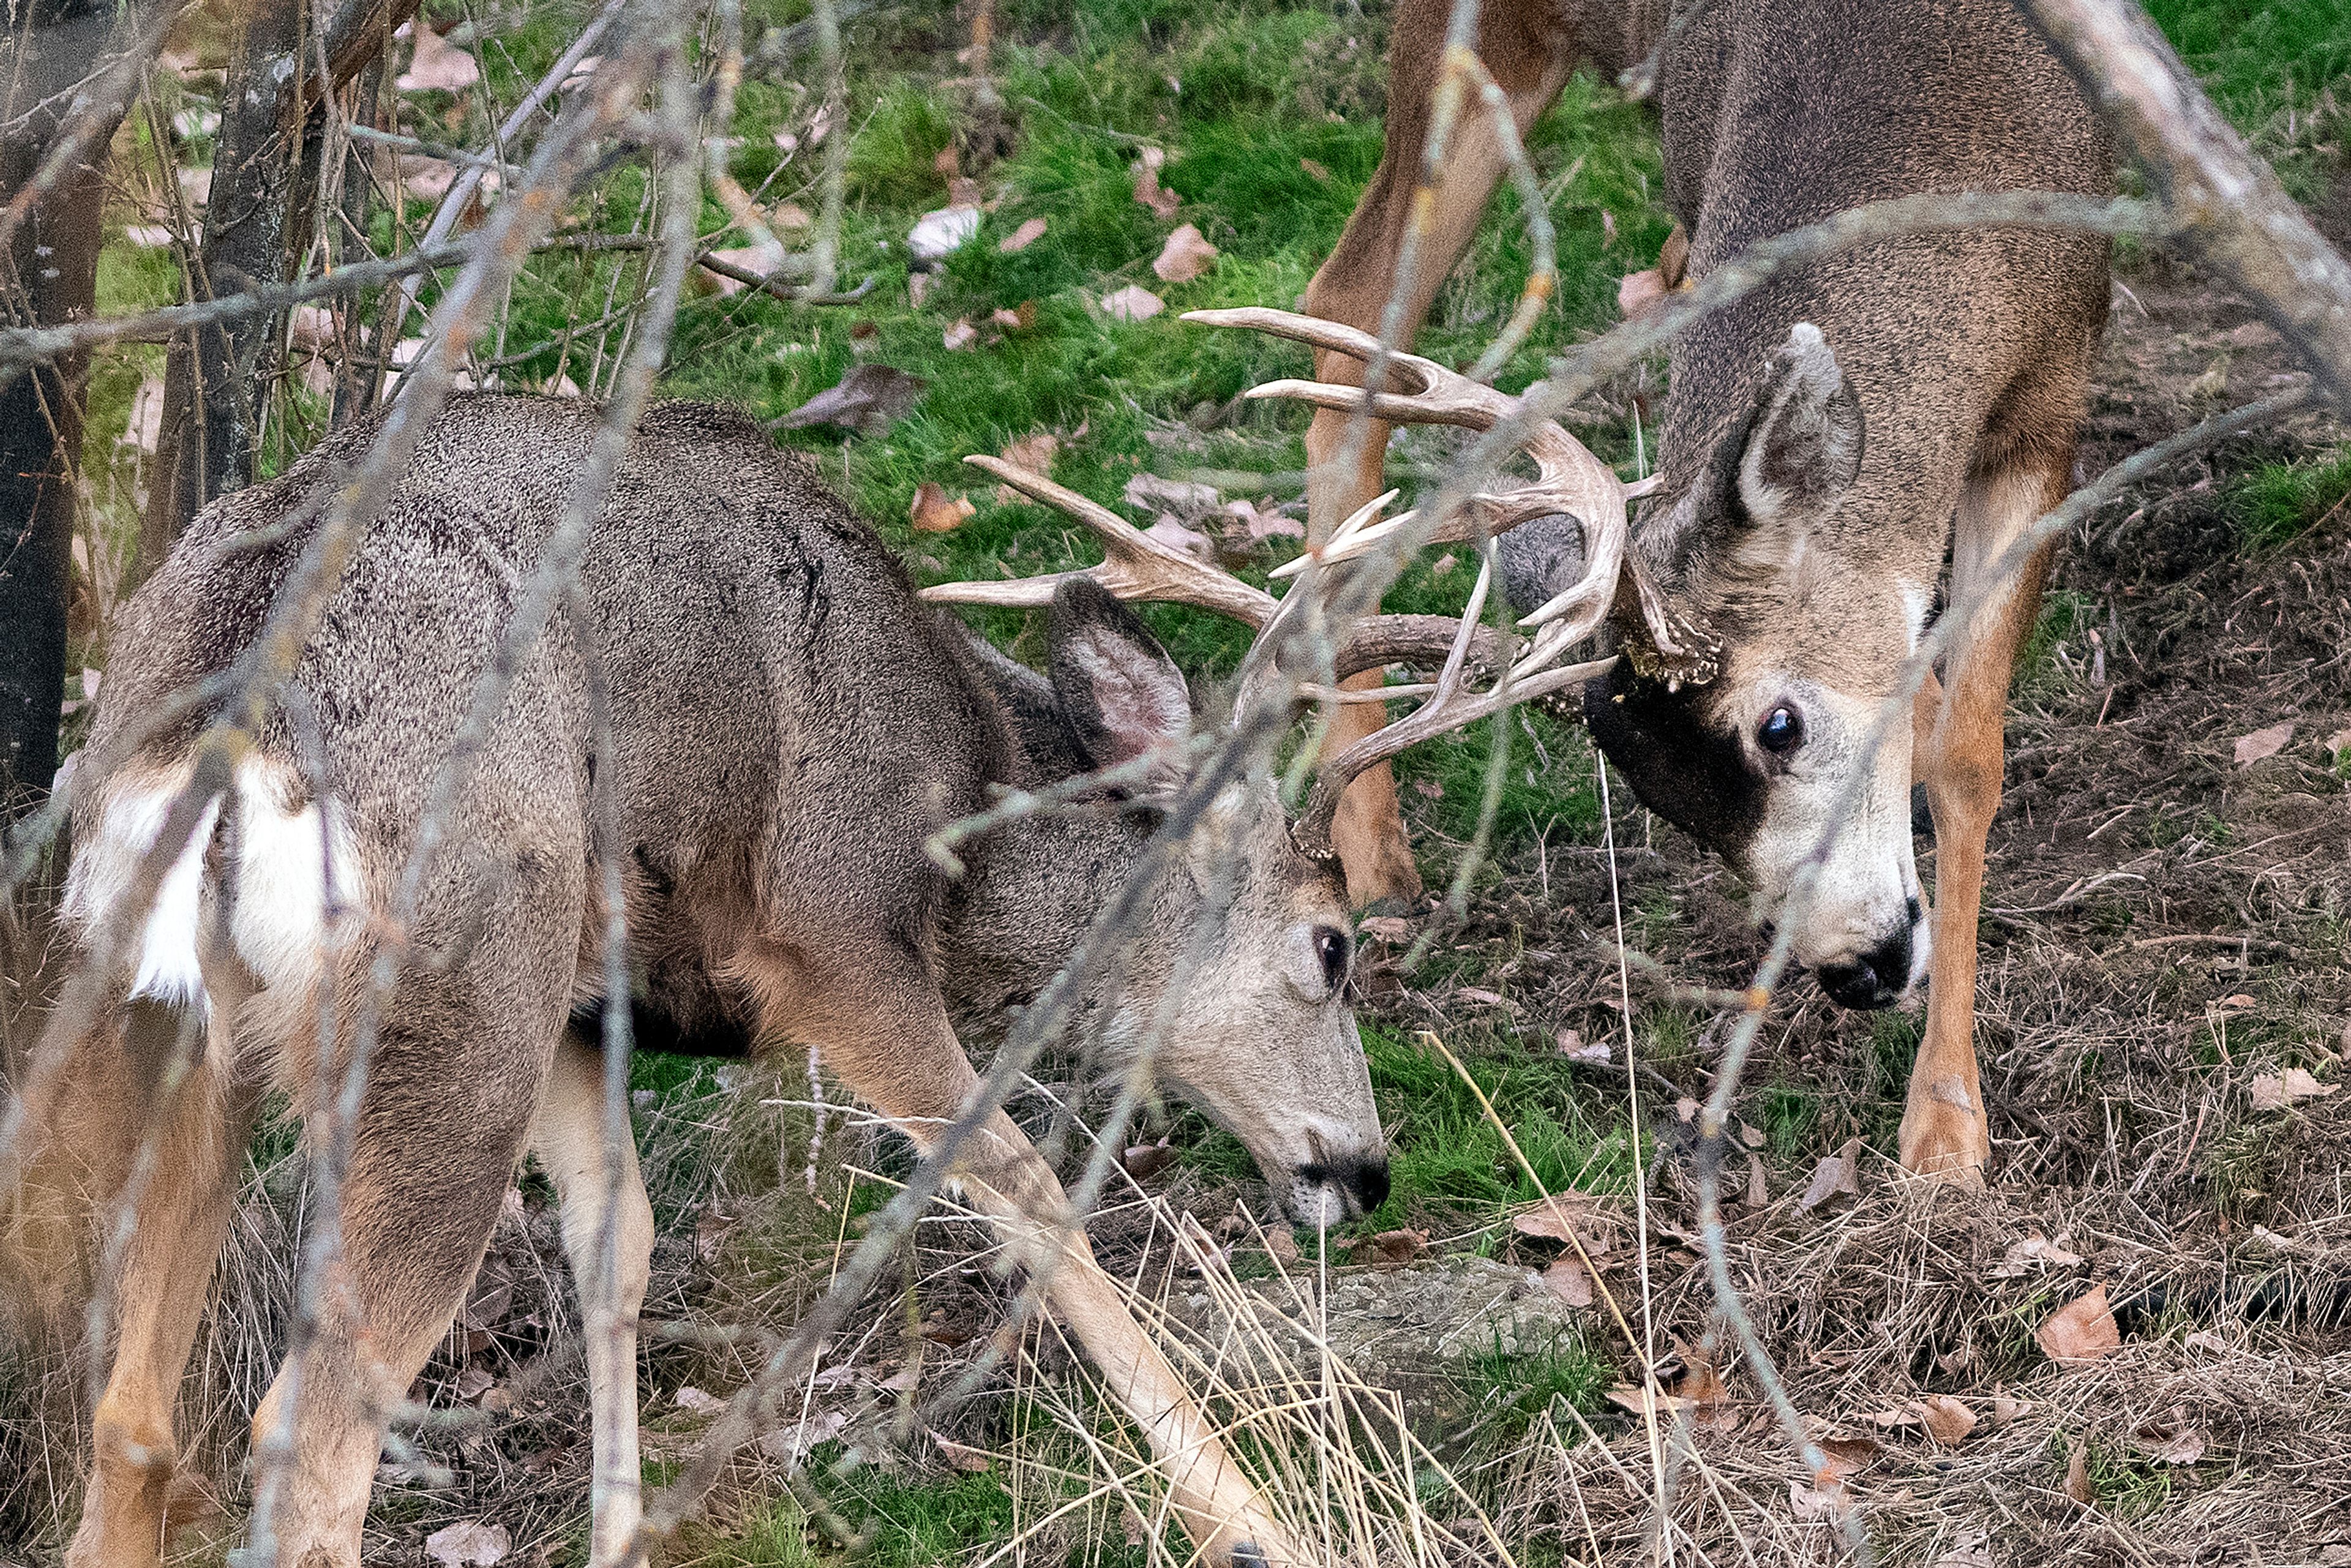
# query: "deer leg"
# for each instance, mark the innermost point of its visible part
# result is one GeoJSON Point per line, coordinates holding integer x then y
{"type": "Point", "coordinates": [1344, 460]}
{"type": "Point", "coordinates": [601, 1207]}
{"type": "Point", "coordinates": [197, 1118]}
{"type": "Point", "coordinates": [455, 1078]}
{"type": "Point", "coordinates": [884, 1030]}
{"type": "Point", "coordinates": [1944, 1130]}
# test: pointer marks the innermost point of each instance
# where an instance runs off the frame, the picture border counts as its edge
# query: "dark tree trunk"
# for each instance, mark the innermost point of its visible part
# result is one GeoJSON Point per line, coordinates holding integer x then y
{"type": "Point", "coordinates": [52, 269]}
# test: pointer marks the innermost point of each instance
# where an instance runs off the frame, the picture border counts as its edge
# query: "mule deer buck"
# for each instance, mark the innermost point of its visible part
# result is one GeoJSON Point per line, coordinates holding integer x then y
{"type": "Point", "coordinates": [791, 728]}
{"type": "Point", "coordinates": [1828, 442]}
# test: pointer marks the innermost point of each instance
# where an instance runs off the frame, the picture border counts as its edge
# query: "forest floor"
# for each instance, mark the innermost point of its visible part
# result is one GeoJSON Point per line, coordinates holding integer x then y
{"type": "Point", "coordinates": [2164, 946]}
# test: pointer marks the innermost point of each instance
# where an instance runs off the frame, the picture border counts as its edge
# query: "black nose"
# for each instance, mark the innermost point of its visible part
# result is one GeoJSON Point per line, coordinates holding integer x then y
{"type": "Point", "coordinates": [1362, 1180]}
{"type": "Point", "coordinates": [1875, 979]}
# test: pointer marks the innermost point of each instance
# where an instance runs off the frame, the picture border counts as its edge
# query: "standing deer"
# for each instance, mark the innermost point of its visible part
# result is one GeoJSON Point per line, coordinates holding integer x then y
{"type": "Point", "coordinates": [791, 728]}
{"type": "Point", "coordinates": [1828, 442]}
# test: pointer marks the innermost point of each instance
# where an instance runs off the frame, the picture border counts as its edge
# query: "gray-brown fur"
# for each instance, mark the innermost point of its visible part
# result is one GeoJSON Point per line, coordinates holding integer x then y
{"type": "Point", "coordinates": [791, 725]}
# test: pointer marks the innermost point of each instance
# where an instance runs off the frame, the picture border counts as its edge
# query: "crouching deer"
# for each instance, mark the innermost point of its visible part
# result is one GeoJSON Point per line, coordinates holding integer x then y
{"type": "Point", "coordinates": [791, 727]}
{"type": "Point", "coordinates": [1829, 442]}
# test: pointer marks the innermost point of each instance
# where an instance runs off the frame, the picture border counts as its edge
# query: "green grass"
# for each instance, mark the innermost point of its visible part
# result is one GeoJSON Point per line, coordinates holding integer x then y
{"type": "Point", "coordinates": [1516, 1387]}
{"type": "Point", "coordinates": [2278, 68]}
{"type": "Point", "coordinates": [2282, 501]}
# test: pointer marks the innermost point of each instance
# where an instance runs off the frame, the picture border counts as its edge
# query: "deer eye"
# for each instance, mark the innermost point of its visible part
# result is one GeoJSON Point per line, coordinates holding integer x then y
{"type": "Point", "coordinates": [1780, 732]}
{"type": "Point", "coordinates": [1330, 951]}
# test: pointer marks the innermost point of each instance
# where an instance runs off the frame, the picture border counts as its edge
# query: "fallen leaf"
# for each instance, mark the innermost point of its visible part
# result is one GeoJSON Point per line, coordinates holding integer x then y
{"type": "Point", "coordinates": [1143, 1161]}
{"type": "Point", "coordinates": [689, 1397]}
{"type": "Point", "coordinates": [794, 1443]}
{"type": "Point", "coordinates": [474, 1382]}
{"type": "Point", "coordinates": [868, 400]}
{"type": "Point", "coordinates": [1260, 521]}
{"type": "Point", "coordinates": [1638, 293]}
{"type": "Point", "coordinates": [1282, 1245]}
{"type": "Point", "coordinates": [2035, 1251]}
{"type": "Point", "coordinates": [1554, 1218]}
{"type": "Point", "coordinates": [934, 511]}
{"type": "Point", "coordinates": [1176, 535]}
{"type": "Point", "coordinates": [1392, 1249]}
{"type": "Point", "coordinates": [1185, 256]}
{"type": "Point", "coordinates": [2339, 742]}
{"type": "Point", "coordinates": [1758, 1194]}
{"type": "Point", "coordinates": [1568, 1281]}
{"type": "Point", "coordinates": [1147, 189]}
{"type": "Point", "coordinates": [2205, 1339]}
{"type": "Point", "coordinates": [1033, 453]}
{"type": "Point", "coordinates": [962, 335]}
{"type": "Point", "coordinates": [939, 235]}
{"type": "Point", "coordinates": [1673, 258]}
{"type": "Point", "coordinates": [2251, 748]}
{"type": "Point", "coordinates": [1133, 303]}
{"type": "Point", "coordinates": [1483, 997]}
{"type": "Point", "coordinates": [2082, 1329]}
{"type": "Point", "coordinates": [1947, 1420]}
{"type": "Point", "coordinates": [2184, 1447]}
{"type": "Point", "coordinates": [1020, 239]}
{"type": "Point", "coordinates": [147, 237]}
{"type": "Point", "coordinates": [1701, 1384]}
{"type": "Point", "coordinates": [1181, 498]}
{"type": "Point", "coordinates": [1642, 1401]}
{"type": "Point", "coordinates": [437, 66]}
{"type": "Point", "coordinates": [2007, 1407]}
{"type": "Point", "coordinates": [962, 1457]}
{"type": "Point", "coordinates": [468, 1541]}
{"type": "Point", "coordinates": [2276, 1091]}
{"type": "Point", "coordinates": [1020, 318]}
{"type": "Point", "coordinates": [789, 215]}
{"type": "Point", "coordinates": [1844, 1456]}
{"type": "Point", "coordinates": [710, 1229]}
{"type": "Point", "coordinates": [1315, 168]}
{"type": "Point", "coordinates": [1817, 1503]}
{"type": "Point", "coordinates": [1392, 929]}
{"type": "Point", "coordinates": [1833, 1175]}
{"type": "Point", "coordinates": [2078, 1477]}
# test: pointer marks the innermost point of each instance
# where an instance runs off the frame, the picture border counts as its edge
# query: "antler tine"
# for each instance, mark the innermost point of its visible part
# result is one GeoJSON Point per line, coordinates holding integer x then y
{"type": "Point", "coordinates": [1135, 565]}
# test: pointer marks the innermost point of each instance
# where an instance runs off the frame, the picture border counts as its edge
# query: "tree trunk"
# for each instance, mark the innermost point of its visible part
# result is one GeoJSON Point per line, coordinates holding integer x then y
{"type": "Point", "coordinates": [52, 279]}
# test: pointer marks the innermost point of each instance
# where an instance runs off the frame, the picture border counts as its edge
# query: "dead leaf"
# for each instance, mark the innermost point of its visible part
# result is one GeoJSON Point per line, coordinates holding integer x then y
{"type": "Point", "coordinates": [794, 1443]}
{"type": "Point", "coordinates": [962, 335]}
{"type": "Point", "coordinates": [1638, 293]}
{"type": "Point", "coordinates": [1641, 1401]}
{"type": "Point", "coordinates": [1817, 1503]}
{"type": "Point", "coordinates": [1147, 190]}
{"type": "Point", "coordinates": [789, 215]}
{"type": "Point", "coordinates": [1181, 498]}
{"type": "Point", "coordinates": [1846, 1456]}
{"type": "Point", "coordinates": [1947, 1420]}
{"type": "Point", "coordinates": [1758, 1194]}
{"type": "Point", "coordinates": [710, 1229]}
{"type": "Point", "coordinates": [689, 1397]}
{"type": "Point", "coordinates": [2205, 1339]}
{"type": "Point", "coordinates": [1030, 231]}
{"type": "Point", "coordinates": [2006, 1408]}
{"type": "Point", "coordinates": [474, 1382]}
{"type": "Point", "coordinates": [1673, 258]}
{"type": "Point", "coordinates": [1034, 452]}
{"type": "Point", "coordinates": [1483, 997]}
{"type": "Point", "coordinates": [1185, 256]}
{"type": "Point", "coordinates": [1020, 318]}
{"type": "Point", "coordinates": [939, 235]}
{"type": "Point", "coordinates": [1143, 1161]}
{"type": "Point", "coordinates": [1316, 170]}
{"type": "Point", "coordinates": [868, 400]}
{"type": "Point", "coordinates": [936, 512]}
{"type": "Point", "coordinates": [1262, 520]}
{"type": "Point", "coordinates": [969, 1459]}
{"type": "Point", "coordinates": [2078, 1477]}
{"type": "Point", "coordinates": [1392, 929]}
{"type": "Point", "coordinates": [1701, 1384]}
{"type": "Point", "coordinates": [1554, 1218]}
{"type": "Point", "coordinates": [1392, 1249]}
{"type": "Point", "coordinates": [1833, 1175]}
{"type": "Point", "coordinates": [468, 1541]}
{"type": "Point", "coordinates": [1971, 1549]}
{"type": "Point", "coordinates": [2184, 1447]}
{"type": "Point", "coordinates": [1282, 1245]}
{"type": "Point", "coordinates": [2251, 748]}
{"type": "Point", "coordinates": [2276, 1091]}
{"type": "Point", "coordinates": [1133, 303]}
{"type": "Point", "coordinates": [1568, 1281]}
{"type": "Point", "coordinates": [2035, 1251]}
{"type": "Point", "coordinates": [2081, 1330]}
{"type": "Point", "coordinates": [2339, 742]}
{"type": "Point", "coordinates": [437, 66]}
{"type": "Point", "coordinates": [1176, 535]}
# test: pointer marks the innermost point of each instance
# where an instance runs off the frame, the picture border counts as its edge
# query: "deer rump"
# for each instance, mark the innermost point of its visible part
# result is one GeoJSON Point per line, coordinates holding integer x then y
{"type": "Point", "coordinates": [790, 726]}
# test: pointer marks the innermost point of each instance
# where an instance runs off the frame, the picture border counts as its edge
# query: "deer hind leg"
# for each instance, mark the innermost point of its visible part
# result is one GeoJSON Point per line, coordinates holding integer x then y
{"type": "Point", "coordinates": [456, 1075]}
{"type": "Point", "coordinates": [884, 1030]}
{"type": "Point", "coordinates": [1944, 1129]}
{"type": "Point", "coordinates": [1529, 61]}
{"type": "Point", "coordinates": [183, 1105]}
{"type": "Point", "coordinates": [601, 1206]}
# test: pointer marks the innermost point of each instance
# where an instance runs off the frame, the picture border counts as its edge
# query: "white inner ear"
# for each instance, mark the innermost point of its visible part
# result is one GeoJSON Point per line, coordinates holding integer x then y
{"type": "Point", "coordinates": [1139, 694]}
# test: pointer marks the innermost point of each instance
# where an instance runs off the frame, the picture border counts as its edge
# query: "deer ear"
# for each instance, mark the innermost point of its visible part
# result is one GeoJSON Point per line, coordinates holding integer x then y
{"type": "Point", "coordinates": [1804, 440]}
{"type": "Point", "coordinates": [1119, 691]}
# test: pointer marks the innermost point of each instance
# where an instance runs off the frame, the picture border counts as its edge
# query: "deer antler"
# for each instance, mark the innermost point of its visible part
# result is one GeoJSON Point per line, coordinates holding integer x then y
{"type": "Point", "coordinates": [1571, 481]}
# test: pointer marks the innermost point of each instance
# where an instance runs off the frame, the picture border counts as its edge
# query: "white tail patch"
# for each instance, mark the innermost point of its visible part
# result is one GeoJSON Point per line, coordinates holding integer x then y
{"type": "Point", "coordinates": [289, 859]}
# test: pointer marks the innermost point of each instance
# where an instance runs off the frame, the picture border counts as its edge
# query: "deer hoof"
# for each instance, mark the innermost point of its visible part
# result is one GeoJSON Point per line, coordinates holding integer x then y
{"type": "Point", "coordinates": [1951, 1147]}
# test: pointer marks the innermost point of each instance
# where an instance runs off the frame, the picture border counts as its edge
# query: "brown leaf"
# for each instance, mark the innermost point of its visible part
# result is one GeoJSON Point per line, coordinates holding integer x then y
{"type": "Point", "coordinates": [1947, 1420]}
{"type": "Point", "coordinates": [1316, 170]}
{"type": "Point", "coordinates": [869, 399]}
{"type": "Point", "coordinates": [937, 512]}
{"type": "Point", "coordinates": [1971, 1547]}
{"type": "Point", "coordinates": [436, 66]}
{"type": "Point", "coordinates": [1481, 996]}
{"type": "Point", "coordinates": [961, 1457]}
{"type": "Point", "coordinates": [1569, 1282]}
{"type": "Point", "coordinates": [1846, 1456]}
{"type": "Point", "coordinates": [1176, 535]}
{"type": "Point", "coordinates": [1147, 189]}
{"type": "Point", "coordinates": [1184, 256]}
{"type": "Point", "coordinates": [1282, 1245]}
{"type": "Point", "coordinates": [468, 1541]}
{"type": "Point", "coordinates": [2081, 1330]}
{"type": "Point", "coordinates": [1033, 453]}
{"type": "Point", "coordinates": [1701, 1384]}
{"type": "Point", "coordinates": [1758, 1194]}
{"type": "Point", "coordinates": [1639, 1401]}
{"type": "Point", "coordinates": [689, 1397]}
{"type": "Point", "coordinates": [1392, 1249]}
{"type": "Point", "coordinates": [2276, 1091]}
{"type": "Point", "coordinates": [1020, 318]}
{"type": "Point", "coordinates": [1133, 303]}
{"type": "Point", "coordinates": [2184, 1447]}
{"type": "Point", "coordinates": [789, 215]}
{"type": "Point", "coordinates": [474, 1382]}
{"type": "Point", "coordinates": [961, 335]}
{"type": "Point", "coordinates": [2035, 1251]}
{"type": "Point", "coordinates": [1811, 1502]}
{"type": "Point", "coordinates": [1392, 929]}
{"type": "Point", "coordinates": [1555, 1217]}
{"type": "Point", "coordinates": [1673, 258]}
{"type": "Point", "coordinates": [1143, 1161]}
{"type": "Point", "coordinates": [2339, 742]}
{"type": "Point", "coordinates": [2251, 748]}
{"type": "Point", "coordinates": [1638, 292]}
{"type": "Point", "coordinates": [2078, 1477]}
{"type": "Point", "coordinates": [1833, 1175]}
{"type": "Point", "coordinates": [1030, 231]}
{"type": "Point", "coordinates": [2007, 1407]}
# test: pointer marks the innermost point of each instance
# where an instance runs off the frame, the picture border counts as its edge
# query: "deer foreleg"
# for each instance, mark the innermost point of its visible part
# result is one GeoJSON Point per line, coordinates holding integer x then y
{"type": "Point", "coordinates": [1945, 1132]}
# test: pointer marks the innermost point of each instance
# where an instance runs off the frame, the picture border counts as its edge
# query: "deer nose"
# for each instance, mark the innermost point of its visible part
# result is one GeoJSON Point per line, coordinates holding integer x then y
{"type": "Point", "coordinates": [1876, 979]}
{"type": "Point", "coordinates": [1359, 1182]}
